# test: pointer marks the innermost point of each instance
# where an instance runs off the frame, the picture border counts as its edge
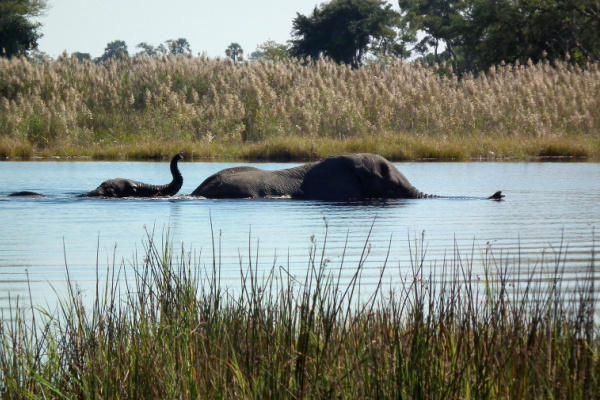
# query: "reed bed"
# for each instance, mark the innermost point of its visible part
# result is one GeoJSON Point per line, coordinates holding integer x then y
{"type": "Point", "coordinates": [164, 326]}
{"type": "Point", "coordinates": [154, 107]}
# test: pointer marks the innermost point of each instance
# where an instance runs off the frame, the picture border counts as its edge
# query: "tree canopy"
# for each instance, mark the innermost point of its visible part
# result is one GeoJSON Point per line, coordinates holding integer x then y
{"type": "Point", "coordinates": [476, 34]}
{"type": "Point", "coordinates": [234, 51]}
{"type": "Point", "coordinates": [345, 30]}
{"type": "Point", "coordinates": [178, 47]}
{"type": "Point", "coordinates": [82, 56]}
{"type": "Point", "coordinates": [271, 50]}
{"type": "Point", "coordinates": [173, 47]}
{"type": "Point", "coordinates": [18, 33]}
{"type": "Point", "coordinates": [115, 49]}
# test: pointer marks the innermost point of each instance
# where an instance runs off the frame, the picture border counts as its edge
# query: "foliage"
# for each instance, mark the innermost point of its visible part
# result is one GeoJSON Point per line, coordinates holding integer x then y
{"type": "Point", "coordinates": [435, 19]}
{"type": "Point", "coordinates": [178, 47]}
{"type": "Point", "coordinates": [115, 50]}
{"type": "Point", "coordinates": [18, 33]}
{"type": "Point", "coordinates": [477, 34]}
{"type": "Point", "coordinates": [344, 30]}
{"type": "Point", "coordinates": [271, 50]}
{"type": "Point", "coordinates": [167, 326]}
{"type": "Point", "coordinates": [173, 47]}
{"type": "Point", "coordinates": [146, 50]}
{"type": "Point", "coordinates": [234, 51]}
{"type": "Point", "coordinates": [82, 56]}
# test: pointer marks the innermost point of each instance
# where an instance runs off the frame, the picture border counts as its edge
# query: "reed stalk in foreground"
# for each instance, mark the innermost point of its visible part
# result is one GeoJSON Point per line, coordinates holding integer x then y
{"type": "Point", "coordinates": [165, 326]}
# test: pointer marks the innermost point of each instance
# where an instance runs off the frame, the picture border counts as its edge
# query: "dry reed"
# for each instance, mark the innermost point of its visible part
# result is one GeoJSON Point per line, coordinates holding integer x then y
{"type": "Point", "coordinates": [213, 107]}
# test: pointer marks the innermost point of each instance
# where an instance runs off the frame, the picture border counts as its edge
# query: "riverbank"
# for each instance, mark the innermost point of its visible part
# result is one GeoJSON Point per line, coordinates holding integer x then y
{"type": "Point", "coordinates": [392, 147]}
{"type": "Point", "coordinates": [148, 108]}
{"type": "Point", "coordinates": [174, 331]}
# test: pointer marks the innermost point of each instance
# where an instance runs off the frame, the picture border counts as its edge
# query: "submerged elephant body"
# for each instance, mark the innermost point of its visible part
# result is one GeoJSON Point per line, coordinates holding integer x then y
{"type": "Point", "coordinates": [26, 193]}
{"type": "Point", "coordinates": [121, 187]}
{"type": "Point", "coordinates": [250, 182]}
{"type": "Point", "coordinates": [340, 177]}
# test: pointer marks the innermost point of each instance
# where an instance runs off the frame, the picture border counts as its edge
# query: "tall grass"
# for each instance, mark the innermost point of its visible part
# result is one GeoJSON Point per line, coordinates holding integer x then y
{"type": "Point", "coordinates": [148, 107]}
{"type": "Point", "coordinates": [172, 330]}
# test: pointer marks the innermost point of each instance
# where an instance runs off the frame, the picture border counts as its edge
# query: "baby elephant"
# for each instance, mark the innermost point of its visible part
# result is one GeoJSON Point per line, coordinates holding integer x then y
{"type": "Point", "coordinates": [121, 187]}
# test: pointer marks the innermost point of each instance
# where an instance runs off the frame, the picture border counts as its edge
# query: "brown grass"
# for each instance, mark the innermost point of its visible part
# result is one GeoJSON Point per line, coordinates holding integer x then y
{"type": "Point", "coordinates": [151, 107]}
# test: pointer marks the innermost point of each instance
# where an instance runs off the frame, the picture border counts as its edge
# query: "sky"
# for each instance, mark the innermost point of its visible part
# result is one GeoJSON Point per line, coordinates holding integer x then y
{"type": "Point", "coordinates": [210, 26]}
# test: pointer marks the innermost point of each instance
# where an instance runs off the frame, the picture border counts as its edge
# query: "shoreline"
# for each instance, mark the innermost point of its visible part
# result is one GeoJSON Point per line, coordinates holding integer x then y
{"type": "Point", "coordinates": [395, 148]}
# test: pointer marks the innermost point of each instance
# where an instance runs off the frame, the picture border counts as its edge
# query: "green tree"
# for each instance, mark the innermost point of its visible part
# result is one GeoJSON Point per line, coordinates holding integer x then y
{"type": "Point", "coordinates": [345, 30]}
{"type": "Point", "coordinates": [564, 28]}
{"type": "Point", "coordinates": [146, 50]}
{"type": "Point", "coordinates": [436, 19]}
{"type": "Point", "coordinates": [172, 47]}
{"type": "Point", "coordinates": [178, 47]}
{"type": "Point", "coordinates": [522, 30]}
{"type": "Point", "coordinates": [18, 34]}
{"type": "Point", "coordinates": [234, 51]}
{"type": "Point", "coordinates": [477, 34]}
{"type": "Point", "coordinates": [271, 50]}
{"type": "Point", "coordinates": [116, 49]}
{"type": "Point", "coordinates": [81, 56]}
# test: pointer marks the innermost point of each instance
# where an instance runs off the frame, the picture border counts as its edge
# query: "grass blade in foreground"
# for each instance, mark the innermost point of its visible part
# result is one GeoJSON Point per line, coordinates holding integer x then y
{"type": "Point", "coordinates": [172, 331]}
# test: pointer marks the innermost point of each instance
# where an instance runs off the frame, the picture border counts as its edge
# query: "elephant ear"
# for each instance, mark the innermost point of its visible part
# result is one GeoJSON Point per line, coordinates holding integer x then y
{"type": "Point", "coordinates": [334, 178]}
{"type": "Point", "coordinates": [374, 174]}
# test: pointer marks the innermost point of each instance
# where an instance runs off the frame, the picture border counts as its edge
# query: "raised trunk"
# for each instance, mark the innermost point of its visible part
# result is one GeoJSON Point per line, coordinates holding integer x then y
{"type": "Point", "coordinates": [127, 188]}
{"type": "Point", "coordinates": [172, 188]}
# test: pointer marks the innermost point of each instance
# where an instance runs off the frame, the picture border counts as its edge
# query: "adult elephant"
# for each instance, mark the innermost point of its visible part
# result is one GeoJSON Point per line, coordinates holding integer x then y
{"type": "Point", "coordinates": [340, 177]}
{"type": "Point", "coordinates": [121, 187]}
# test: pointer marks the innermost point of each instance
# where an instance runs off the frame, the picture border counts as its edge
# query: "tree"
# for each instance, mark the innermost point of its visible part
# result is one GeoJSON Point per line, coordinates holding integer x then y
{"type": "Point", "coordinates": [344, 30]}
{"type": "Point", "coordinates": [234, 51]}
{"type": "Point", "coordinates": [178, 47]}
{"type": "Point", "coordinates": [271, 50]}
{"type": "Point", "coordinates": [560, 29]}
{"type": "Point", "coordinates": [172, 47]}
{"type": "Point", "coordinates": [18, 34]}
{"type": "Point", "coordinates": [81, 56]}
{"type": "Point", "coordinates": [436, 19]}
{"type": "Point", "coordinates": [477, 34]}
{"type": "Point", "coordinates": [116, 49]}
{"type": "Point", "coordinates": [146, 50]}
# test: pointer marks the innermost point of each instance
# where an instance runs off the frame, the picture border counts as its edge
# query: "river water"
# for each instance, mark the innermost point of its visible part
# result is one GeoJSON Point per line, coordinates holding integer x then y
{"type": "Point", "coordinates": [551, 210]}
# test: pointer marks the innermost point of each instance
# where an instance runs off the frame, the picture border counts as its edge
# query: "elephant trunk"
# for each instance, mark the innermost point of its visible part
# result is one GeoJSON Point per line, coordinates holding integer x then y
{"type": "Point", "coordinates": [174, 186]}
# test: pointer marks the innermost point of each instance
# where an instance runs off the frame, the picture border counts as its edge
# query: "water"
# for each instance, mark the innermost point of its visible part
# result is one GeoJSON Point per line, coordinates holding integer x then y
{"type": "Point", "coordinates": [549, 207]}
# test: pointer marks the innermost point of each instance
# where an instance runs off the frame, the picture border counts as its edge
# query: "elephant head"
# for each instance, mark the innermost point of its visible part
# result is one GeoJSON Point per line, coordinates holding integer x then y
{"type": "Point", "coordinates": [127, 188]}
{"type": "Point", "coordinates": [357, 176]}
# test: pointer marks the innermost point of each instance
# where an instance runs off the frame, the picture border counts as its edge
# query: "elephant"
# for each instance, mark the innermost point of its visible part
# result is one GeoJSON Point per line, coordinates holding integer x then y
{"type": "Point", "coordinates": [336, 178]}
{"type": "Point", "coordinates": [26, 193]}
{"type": "Point", "coordinates": [121, 187]}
